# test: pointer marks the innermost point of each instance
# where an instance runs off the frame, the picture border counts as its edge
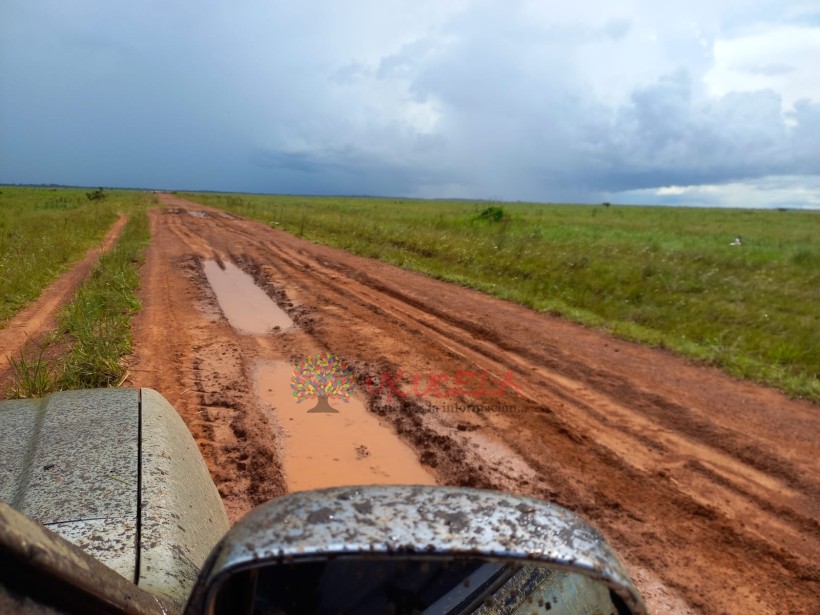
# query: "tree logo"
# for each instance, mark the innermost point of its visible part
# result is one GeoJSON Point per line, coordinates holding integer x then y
{"type": "Point", "coordinates": [322, 376]}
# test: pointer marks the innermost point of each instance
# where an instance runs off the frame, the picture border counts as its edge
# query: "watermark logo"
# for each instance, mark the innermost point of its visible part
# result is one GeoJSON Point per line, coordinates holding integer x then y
{"type": "Point", "coordinates": [326, 376]}
{"type": "Point", "coordinates": [441, 385]}
{"type": "Point", "coordinates": [322, 376]}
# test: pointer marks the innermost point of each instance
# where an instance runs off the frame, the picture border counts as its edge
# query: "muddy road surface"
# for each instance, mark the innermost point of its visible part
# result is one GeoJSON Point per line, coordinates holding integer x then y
{"type": "Point", "coordinates": [707, 487]}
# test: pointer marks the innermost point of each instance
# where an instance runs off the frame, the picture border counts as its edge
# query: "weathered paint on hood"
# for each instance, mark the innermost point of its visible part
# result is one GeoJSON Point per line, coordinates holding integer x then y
{"type": "Point", "coordinates": [70, 461]}
{"type": "Point", "coordinates": [182, 517]}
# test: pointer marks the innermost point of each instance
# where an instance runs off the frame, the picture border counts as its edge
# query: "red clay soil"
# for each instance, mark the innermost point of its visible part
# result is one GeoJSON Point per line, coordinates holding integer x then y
{"type": "Point", "coordinates": [706, 486]}
{"type": "Point", "coordinates": [31, 323]}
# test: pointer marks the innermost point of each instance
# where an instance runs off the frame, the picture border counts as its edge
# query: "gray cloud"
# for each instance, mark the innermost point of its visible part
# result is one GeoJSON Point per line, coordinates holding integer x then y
{"type": "Point", "coordinates": [666, 137]}
{"type": "Point", "coordinates": [485, 99]}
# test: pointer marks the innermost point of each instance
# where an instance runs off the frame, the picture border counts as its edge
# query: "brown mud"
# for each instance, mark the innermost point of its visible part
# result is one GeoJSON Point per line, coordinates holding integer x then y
{"type": "Point", "coordinates": [708, 487]}
{"type": "Point", "coordinates": [342, 445]}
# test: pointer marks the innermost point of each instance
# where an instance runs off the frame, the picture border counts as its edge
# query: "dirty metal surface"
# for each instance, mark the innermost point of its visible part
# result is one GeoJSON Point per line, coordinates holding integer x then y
{"type": "Point", "coordinates": [70, 461]}
{"type": "Point", "coordinates": [20, 419]}
{"type": "Point", "coordinates": [104, 539]}
{"type": "Point", "coordinates": [423, 521]}
{"type": "Point", "coordinates": [182, 513]}
{"type": "Point", "coordinates": [38, 568]}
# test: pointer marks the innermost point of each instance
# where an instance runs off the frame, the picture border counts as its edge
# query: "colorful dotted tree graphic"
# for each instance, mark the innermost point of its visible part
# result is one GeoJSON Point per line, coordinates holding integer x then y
{"type": "Point", "coordinates": [322, 376]}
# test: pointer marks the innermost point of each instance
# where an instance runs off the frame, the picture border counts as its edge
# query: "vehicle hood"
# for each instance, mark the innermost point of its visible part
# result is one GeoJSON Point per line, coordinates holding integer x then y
{"type": "Point", "coordinates": [71, 461]}
{"type": "Point", "coordinates": [117, 473]}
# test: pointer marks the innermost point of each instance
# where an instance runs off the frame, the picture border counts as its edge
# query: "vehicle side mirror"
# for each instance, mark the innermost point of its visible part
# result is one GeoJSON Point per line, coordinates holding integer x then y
{"type": "Point", "coordinates": [412, 550]}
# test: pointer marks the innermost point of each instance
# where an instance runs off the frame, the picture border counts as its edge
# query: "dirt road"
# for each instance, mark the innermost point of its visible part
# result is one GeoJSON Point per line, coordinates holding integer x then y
{"type": "Point", "coordinates": [706, 486]}
{"type": "Point", "coordinates": [29, 325]}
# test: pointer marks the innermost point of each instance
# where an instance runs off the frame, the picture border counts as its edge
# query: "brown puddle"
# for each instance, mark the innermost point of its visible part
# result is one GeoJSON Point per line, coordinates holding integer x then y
{"type": "Point", "coordinates": [246, 306]}
{"type": "Point", "coordinates": [350, 447]}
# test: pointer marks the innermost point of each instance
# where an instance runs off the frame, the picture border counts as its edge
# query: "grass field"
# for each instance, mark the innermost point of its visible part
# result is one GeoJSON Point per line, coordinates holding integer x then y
{"type": "Point", "coordinates": [662, 276]}
{"type": "Point", "coordinates": [94, 328]}
{"type": "Point", "coordinates": [42, 231]}
{"type": "Point", "coordinates": [98, 322]}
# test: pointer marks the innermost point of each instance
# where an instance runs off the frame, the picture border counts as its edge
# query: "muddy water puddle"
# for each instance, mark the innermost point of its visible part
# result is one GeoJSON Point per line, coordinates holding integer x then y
{"type": "Point", "coordinates": [246, 306]}
{"type": "Point", "coordinates": [326, 449]}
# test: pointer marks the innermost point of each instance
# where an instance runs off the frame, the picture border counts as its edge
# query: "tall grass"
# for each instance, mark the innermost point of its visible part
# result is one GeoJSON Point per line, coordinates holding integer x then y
{"type": "Point", "coordinates": [31, 375]}
{"type": "Point", "coordinates": [42, 231]}
{"type": "Point", "coordinates": [95, 327]}
{"type": "Point", "coordinates": [98, 321]}
{"type": "Point", "coordinates": [661, 276]}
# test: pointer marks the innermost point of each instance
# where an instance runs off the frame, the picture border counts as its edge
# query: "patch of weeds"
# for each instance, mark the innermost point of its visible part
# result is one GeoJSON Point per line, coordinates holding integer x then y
{"type": "Point", "coordinates": [494, 213]}
{"type": "Point", "coordinates": [31, 376]}
{"type": "Point", "coordinates": [95, 195]}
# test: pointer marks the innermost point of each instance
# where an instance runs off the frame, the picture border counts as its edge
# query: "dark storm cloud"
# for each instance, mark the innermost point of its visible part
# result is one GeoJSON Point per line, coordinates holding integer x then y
{"type": "Point", "coordinates": [518, 100]}
{"type": "Point", "coordinates": [344, 172]}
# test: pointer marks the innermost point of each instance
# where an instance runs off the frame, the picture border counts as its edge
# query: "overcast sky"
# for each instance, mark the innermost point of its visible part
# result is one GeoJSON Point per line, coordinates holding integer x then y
{"type": "Point", "coordinates": [701, 102]}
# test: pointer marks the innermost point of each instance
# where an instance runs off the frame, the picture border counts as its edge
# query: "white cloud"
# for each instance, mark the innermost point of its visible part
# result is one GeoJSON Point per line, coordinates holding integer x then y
{"type": "Point", "coordinates": [792, 192]}
{"type": "Point", "coordinates": [673, 190]}
{"type": "Point", "coordinates": [782, 58]}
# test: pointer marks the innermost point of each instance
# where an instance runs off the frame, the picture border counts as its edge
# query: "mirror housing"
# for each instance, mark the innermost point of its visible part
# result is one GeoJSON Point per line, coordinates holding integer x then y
{"type": "Point", "coordinates": [411, 522]}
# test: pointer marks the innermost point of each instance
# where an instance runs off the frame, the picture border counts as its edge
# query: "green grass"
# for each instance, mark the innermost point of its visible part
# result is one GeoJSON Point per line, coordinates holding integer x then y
{"type": "Point", "coordinates": [32, 376]}
{"type": "Point", "coordinates": [661, 276]}
{"type": "Point", "coordinates": [42, 232]}
{"type": "Point", "coordinates": [94, 331]}
{"type": "Point", "coordinates": [98, 321]}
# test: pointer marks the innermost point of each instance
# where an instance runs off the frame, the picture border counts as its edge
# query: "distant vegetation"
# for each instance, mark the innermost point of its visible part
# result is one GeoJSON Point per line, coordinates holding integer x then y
{"type": "Point", "coordinates": [494, 213]}
{"type": "Point", "coordinates": [45, 231]}
{"type": "Point", "coordinates": [95, 195]}
{"type": "Point", "coordinates": [666, 277]}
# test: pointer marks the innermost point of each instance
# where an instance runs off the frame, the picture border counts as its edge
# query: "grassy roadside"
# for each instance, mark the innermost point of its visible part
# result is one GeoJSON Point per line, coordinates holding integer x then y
{"type": "Point", "coordinates": [666, 277]}
{"type": "Point", "coordinates": [94, 330]}
{"type": "Point", "coordinates": [98, 321]}
{"type": "Point", "coordinates": [42, 232]}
